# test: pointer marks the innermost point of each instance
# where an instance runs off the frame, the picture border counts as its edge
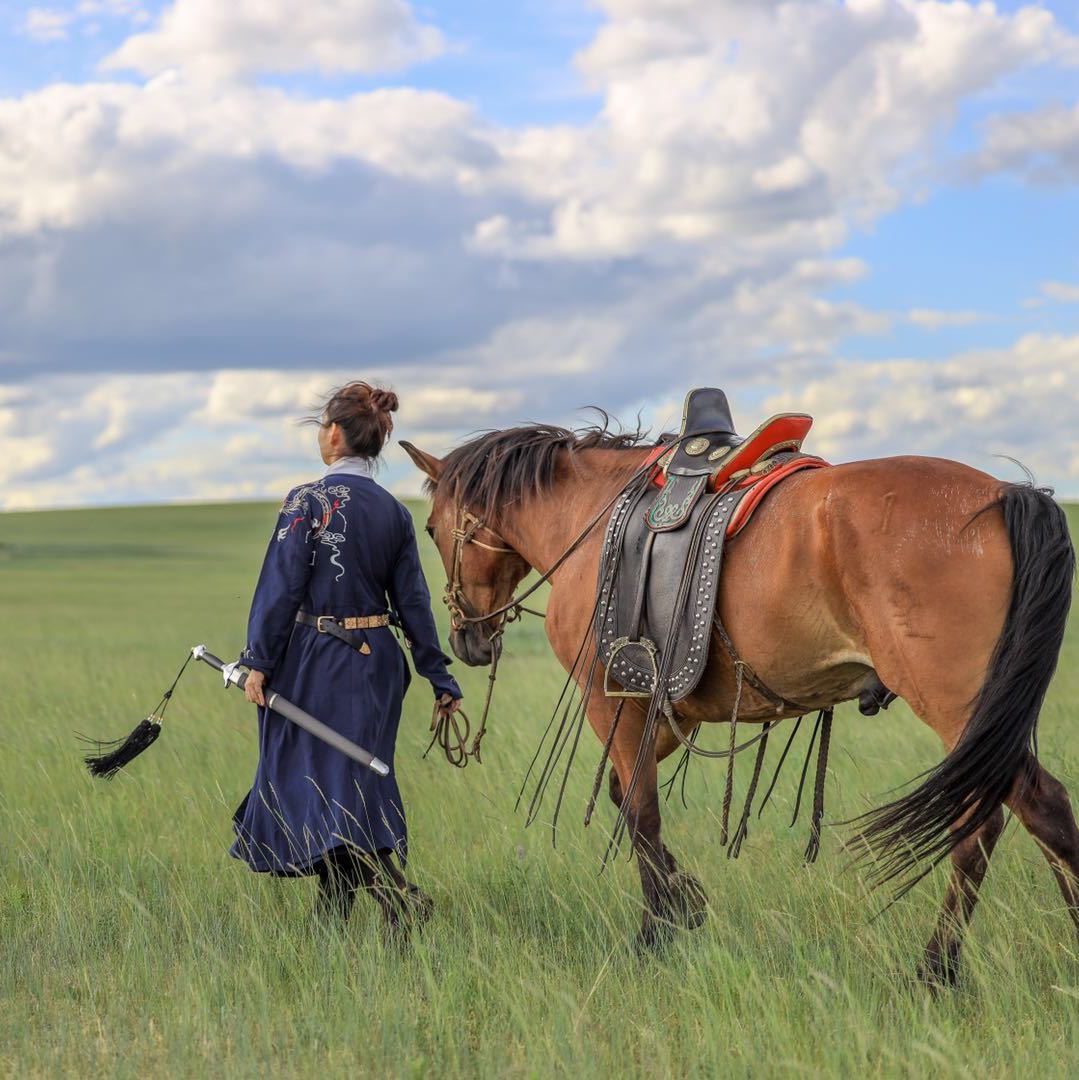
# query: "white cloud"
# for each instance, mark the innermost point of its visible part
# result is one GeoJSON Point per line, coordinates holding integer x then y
{"type": "Point", "coordinates": [1018, 401]}
{"type": "Point", "coordinates": [1062, 291]}
{"type": "Point", "coordinates": [934, 319]}
{"type": "Point", "coordinates": [1041, 145]}
{"type": "Point", "coordinates": [67, 441]}
{"type": "Point", "coordinates": [688, 234]}
{"type": "Point", "coordinates": [58, 24]}
{"type": "Point", "coordinates": [216, 39]}
{"type": "Point", "coordinates": [47, 24]}
{"type": "Point", "coordinates": [757, 127]}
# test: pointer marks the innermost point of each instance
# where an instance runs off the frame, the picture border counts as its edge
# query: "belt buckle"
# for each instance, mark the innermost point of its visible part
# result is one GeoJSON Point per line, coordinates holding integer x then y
{"type": "Point", "coordinates": [319, 620]}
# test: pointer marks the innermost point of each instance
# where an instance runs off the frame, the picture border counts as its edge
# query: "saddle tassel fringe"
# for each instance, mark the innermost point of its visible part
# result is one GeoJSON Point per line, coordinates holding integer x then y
{"type": "Point", "coordinates": [813, 847]}
{"type": "Point", "coordinates": [728, 793]}
{"type": "Point", "coordinates": [743, 825]}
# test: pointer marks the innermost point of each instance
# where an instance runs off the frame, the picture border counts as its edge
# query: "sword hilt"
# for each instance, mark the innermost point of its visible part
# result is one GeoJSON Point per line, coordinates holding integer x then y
{"type": "Point", "coordinates": [231, 675]}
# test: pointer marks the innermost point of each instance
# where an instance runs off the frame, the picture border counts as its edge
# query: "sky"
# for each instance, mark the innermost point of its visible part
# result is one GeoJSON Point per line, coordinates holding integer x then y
{"type": "Point", "coordinates": [508, 210]}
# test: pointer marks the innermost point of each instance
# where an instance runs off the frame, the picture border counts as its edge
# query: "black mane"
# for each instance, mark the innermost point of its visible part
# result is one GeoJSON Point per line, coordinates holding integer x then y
{"type": "Point", "coordinates": [497, 468]}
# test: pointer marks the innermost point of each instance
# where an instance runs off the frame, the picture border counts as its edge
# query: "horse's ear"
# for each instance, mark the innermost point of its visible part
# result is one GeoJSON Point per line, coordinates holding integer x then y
{"type": "Point", "coordinates": [426, 463]}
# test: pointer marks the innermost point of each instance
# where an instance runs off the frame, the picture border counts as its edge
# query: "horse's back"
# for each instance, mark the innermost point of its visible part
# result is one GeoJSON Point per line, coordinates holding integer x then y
{"type": "Point", "coordinates": [883, 564]}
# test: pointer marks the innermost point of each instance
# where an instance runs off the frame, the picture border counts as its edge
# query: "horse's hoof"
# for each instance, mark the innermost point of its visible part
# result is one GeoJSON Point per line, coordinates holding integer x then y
{"type": "Point", "coordinates": [689, 903]}
{"type": "Point", "coordinates": [654, 936]}
{"type": "Point", "coordinates": [939, 971]}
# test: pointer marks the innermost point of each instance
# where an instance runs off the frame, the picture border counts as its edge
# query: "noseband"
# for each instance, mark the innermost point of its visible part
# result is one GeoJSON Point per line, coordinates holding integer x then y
{"type": "Point", "coordinates": [453, 595]}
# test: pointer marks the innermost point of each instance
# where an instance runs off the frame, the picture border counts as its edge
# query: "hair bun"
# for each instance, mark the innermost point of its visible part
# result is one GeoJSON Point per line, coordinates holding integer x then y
{"type": "Point", "coordinates": [384, 400]}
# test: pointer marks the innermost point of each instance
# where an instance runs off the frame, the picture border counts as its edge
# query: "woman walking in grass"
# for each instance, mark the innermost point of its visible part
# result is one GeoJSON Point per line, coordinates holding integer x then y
{"type": "Point", "coordinates": [342, 567]}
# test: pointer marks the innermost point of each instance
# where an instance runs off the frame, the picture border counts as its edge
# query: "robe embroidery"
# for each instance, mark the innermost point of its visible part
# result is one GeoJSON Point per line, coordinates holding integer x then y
{"type": "Point", "coordinates": [331, 500]}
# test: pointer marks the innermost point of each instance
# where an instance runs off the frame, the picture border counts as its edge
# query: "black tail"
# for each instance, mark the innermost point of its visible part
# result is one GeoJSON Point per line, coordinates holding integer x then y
{"type": "Point", "coordinates": [999, 744]}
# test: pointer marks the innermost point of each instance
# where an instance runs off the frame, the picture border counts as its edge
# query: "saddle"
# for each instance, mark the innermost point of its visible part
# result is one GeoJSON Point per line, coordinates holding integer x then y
{"type": "Point", "coordinates": [663, 549]}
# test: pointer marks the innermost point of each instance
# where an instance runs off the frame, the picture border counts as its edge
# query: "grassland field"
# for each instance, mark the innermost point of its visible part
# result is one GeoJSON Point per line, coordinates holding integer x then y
{"type": "Point", "coordinates": [132, 945]}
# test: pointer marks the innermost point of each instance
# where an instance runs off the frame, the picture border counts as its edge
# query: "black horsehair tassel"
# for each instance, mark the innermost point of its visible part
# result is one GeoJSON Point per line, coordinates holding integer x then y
{"type": "Point", "coordinates": [113, 755]}
{"type": "Point", "coordinates": [121, 751]}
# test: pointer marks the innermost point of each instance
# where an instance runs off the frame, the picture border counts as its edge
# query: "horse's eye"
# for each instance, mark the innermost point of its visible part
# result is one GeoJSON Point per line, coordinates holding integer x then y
{"type": "Point", "coordinates": [430, 529]}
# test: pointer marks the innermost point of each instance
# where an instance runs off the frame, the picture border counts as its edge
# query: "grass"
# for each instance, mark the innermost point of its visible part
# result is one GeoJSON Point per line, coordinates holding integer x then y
{"type": "Point", "coordinates": [130, 944]}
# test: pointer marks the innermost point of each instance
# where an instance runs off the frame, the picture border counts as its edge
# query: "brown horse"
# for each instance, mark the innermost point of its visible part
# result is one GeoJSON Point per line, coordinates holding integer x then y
{"type": "Point", "coordinates": [949, 586]}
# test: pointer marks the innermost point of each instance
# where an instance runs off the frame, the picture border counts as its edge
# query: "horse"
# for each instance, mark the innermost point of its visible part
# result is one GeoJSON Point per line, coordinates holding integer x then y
{"type": "Point", "coordinates": [948, 586]}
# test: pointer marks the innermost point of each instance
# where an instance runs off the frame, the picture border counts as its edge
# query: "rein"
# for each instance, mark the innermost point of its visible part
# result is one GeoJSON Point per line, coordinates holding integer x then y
{"type": "Point", "coordinates": [448, 731]}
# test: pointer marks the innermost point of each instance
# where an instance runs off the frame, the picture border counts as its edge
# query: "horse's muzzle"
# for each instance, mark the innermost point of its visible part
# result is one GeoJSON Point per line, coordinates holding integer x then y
{"type": "Point", "coordinates": [472, 645]}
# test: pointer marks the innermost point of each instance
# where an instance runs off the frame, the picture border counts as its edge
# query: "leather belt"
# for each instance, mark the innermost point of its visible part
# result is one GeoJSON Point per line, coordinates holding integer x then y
{"type": "Point", "coordinates": [349, 622]}
{"type": "Point", "coordinates": [344, 628]}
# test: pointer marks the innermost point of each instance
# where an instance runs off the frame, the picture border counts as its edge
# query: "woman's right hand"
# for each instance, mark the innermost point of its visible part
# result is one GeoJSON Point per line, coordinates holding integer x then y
{"type": "Point", "coordinates": [448, 703]}
{"type": "Point", "coordinates": [256, 680]}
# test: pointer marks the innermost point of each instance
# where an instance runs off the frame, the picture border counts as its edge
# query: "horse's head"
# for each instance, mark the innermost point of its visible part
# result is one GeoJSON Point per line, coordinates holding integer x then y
{"type": "Point", "coordinates": [482, 569]}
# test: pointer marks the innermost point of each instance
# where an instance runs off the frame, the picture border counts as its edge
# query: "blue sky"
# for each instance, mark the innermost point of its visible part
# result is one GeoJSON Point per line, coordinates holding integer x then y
{"type": "Point", "coordinates": [514, 209]}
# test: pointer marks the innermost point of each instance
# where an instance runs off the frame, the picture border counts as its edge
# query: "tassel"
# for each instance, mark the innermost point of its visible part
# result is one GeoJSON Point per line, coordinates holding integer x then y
{"type": "Point", "coordinates": [813, 847]}
{"type": "Point", "coordinates": [121, 751]}
{"type": "Point", "coordinates": [118, 752]}
{"type": "Point", "coordinates": [743, 825]}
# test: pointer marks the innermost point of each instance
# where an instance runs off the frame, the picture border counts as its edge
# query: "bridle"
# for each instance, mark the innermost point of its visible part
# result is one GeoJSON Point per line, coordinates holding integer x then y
{"type": "Point", "coordinates": [447, 726]}
{"type": "Point", "coordinates": [464, 532]}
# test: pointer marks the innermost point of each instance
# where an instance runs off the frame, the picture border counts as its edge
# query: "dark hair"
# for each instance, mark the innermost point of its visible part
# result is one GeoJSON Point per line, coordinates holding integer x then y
{"type": "Point", "coordinates": [497, 468]}
{"type": "Point", "coordinates": [362, 412]}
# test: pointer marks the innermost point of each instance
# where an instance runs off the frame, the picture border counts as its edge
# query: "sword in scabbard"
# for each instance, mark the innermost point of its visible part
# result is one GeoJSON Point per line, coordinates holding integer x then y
{"type": "Point", "coordinates": [274, 701]}
{"type": "Point", "coordinates": [110, 757]}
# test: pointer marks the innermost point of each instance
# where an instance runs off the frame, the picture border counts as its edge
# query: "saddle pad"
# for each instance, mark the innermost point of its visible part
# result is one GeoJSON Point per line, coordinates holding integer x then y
{"type": "Point", "coordinates": [756, 487]}
{"type": "Point", "coordinates": [631, 549]}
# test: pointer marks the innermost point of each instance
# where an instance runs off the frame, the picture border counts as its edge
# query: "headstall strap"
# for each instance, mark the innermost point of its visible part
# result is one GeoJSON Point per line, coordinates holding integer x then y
{"type": "Point", "coordinates": [465, 533]}
{"type": "Point", "coordinates": [448, 733]}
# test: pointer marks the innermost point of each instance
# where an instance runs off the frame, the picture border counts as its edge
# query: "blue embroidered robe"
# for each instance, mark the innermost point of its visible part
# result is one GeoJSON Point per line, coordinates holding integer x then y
{"type": "Point", "coordinates": [342, 546]}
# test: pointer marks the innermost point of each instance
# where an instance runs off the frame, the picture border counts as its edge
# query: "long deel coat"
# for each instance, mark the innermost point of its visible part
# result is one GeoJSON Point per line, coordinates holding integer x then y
{"type": "Point", "coordinates": [342, 546]}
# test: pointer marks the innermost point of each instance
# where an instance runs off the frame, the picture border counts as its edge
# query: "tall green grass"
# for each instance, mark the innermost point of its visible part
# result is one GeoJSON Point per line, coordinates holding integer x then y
{"type": "Point", "coordinates": [130, 944]}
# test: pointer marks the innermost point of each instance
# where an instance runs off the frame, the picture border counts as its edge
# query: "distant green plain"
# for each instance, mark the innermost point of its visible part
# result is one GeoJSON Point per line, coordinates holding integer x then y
{"type": "Point", "coordinates": [132, 945]}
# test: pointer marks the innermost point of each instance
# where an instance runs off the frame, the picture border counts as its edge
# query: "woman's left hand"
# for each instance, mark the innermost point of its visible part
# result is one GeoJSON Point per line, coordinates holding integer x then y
{"type": "Point", "coordinates": [448, 703]}
{"type": "Point", "coordinates": [256, 680]}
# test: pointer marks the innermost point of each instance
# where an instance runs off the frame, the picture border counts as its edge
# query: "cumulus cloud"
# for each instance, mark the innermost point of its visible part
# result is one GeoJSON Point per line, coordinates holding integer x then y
{"type": "Point", "coordinates": [221, 39]}
{"type": "Point", "coordinates": [934, 319]}
{"type": "Point", "coordinates": [68, 441]}
{"type": "Point", "coordinates": [230, 236]}
{"type": "Point", "coordinates": [1017, 402]}
{"type": "Point", "coordinates": [760, 128]}
{"type": "Point", "coordinates": [1041, 145]}
{"type": "Point", "coordinates": [1062, 291]}
{"type": "Point", "coordinates": [152, 438]}
{"type": "Point", "coordinates": [47, 24]}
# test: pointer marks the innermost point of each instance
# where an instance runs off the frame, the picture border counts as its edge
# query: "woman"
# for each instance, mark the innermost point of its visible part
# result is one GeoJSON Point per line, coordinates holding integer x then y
{"type": "Point", "coordinates": [342, 567]}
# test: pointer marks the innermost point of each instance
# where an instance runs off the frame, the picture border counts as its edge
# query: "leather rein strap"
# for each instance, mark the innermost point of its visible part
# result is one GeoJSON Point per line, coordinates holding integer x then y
{"type": "Point", "coordinates": [446, 726]}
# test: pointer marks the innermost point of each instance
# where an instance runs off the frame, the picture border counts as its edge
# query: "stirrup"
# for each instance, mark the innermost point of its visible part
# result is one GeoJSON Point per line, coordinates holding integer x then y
{"type": "Point", "coordinates": [616, 647]}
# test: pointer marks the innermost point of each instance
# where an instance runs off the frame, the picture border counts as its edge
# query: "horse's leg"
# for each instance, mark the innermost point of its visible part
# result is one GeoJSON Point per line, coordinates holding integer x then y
{"type": "Point", "coordinates": [970, 860]}
{"type": "Point", "coordinates": [672, 897]}
{"type": "Point", "coordinates": [666, 744]}
{"type": "Point", "coordinates": [1043, 806]}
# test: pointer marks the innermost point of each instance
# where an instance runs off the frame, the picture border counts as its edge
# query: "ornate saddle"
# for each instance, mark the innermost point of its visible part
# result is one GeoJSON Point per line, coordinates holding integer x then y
{"type": "Point", "coordinates": [663, 550]}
